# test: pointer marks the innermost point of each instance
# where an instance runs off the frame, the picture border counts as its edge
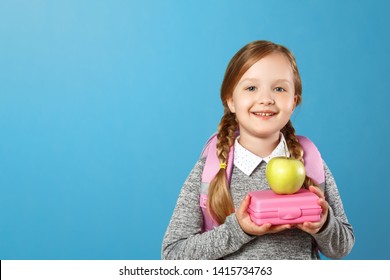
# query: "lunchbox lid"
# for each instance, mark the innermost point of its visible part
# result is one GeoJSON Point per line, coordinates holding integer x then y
{"type": "Point", "coordinates": [269, 201]}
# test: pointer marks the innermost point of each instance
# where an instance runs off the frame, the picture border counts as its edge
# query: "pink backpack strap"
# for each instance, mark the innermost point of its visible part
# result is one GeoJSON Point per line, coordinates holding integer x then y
{"type": "Point", "coordinates": [211, 167]}
{"type": "Point", "coordinates": [207, 145]}
{"type": "Point", "coordinates": [313, 161]}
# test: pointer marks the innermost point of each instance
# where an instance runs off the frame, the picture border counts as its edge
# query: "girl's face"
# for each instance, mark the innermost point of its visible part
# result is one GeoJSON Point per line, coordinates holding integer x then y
{"type": "Point", "coordinates": [264, 98]}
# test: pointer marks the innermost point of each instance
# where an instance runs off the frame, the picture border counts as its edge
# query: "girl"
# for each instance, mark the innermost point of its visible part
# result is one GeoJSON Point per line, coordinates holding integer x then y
{"type": "Point", "coordinates": [260, 91]}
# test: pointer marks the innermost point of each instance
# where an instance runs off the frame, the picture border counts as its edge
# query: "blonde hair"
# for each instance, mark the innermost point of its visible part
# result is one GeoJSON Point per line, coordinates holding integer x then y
{"type": "Point", "coordinates": [220, 203]}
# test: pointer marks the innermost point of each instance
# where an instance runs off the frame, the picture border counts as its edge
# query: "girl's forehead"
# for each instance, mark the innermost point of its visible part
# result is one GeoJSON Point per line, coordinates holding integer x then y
{"type": "Point", "coordinates": [273, 66]}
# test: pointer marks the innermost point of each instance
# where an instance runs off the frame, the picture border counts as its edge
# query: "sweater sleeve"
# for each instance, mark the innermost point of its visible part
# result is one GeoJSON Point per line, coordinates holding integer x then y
{"type": "Point", "coordinates": [336, 238]}
{"type": "Point", "coordinates": [183, 238]}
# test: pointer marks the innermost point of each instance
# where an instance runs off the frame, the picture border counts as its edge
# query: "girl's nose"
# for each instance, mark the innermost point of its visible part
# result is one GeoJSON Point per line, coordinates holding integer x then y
{"type": "Point", "coordinates": [265, 97]}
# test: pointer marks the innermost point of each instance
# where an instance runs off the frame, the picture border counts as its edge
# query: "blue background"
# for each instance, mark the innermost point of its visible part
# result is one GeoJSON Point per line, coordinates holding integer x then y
{"type": "Point", "coordinates": [105, 106]}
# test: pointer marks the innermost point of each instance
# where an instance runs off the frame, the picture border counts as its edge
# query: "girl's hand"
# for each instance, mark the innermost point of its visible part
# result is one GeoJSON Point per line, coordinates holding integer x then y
{"type": "Point", "coordinates": [315, 227]}
{"type": "Point", "coordinates": [250, 227]}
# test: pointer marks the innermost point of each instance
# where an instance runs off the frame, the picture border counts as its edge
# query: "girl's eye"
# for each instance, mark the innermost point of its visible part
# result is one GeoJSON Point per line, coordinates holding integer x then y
{"type": "Point", "coordinates": [251, 88]}
{"type": "Point", "coordinates": [279, 89]}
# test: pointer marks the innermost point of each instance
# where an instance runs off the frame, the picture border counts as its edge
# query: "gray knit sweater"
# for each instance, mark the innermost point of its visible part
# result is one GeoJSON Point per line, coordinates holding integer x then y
{"type": "Point", "coordinates": [184, 240]}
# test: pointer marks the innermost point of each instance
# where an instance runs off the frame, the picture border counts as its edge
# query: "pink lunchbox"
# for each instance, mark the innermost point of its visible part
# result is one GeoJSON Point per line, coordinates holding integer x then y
{"type": "Point", "coordinates": [269, 207]}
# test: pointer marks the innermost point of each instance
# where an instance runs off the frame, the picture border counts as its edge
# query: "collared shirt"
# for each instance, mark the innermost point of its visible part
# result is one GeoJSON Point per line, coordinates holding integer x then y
{"type": "Point", "coordinates": [247, 161]}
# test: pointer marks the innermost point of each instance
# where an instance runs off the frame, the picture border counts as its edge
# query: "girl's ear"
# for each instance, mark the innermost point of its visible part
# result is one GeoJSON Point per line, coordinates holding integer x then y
{"type": "Point", "coordinates": [230, 104]}
{"type": "Point", "coordinates": [295, 102]}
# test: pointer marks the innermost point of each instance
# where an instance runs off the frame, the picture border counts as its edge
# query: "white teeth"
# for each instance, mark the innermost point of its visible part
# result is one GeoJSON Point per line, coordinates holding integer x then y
{"type": "Point", "coordinates": [264, 114]}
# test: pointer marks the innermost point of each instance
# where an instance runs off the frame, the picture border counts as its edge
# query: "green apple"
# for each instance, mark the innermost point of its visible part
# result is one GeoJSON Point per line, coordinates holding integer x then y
{"type": "Point", "coordinates": [285, 175]}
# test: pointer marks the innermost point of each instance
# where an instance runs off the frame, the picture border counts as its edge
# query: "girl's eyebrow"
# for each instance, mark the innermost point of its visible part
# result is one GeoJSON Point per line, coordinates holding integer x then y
{"type": "Point", "coordinates": [253, 80]}
{"type": "Point", "coordinates": [283, 81]}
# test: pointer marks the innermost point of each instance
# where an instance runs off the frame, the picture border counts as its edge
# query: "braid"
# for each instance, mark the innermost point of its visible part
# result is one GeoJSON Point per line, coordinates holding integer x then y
{"type": "Point", "coordinates": [226, 135]}
{"type": "Point", "coordinates": [295, 149]}
{"type": "Point", "coordinates": [219, 202]}
{"type": "Point", "coordinates": [293, 145]}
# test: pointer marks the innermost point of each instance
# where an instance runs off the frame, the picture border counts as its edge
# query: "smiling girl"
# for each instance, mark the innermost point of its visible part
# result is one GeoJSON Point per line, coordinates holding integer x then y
{"type": "Point", "coordinates": [260, 91]}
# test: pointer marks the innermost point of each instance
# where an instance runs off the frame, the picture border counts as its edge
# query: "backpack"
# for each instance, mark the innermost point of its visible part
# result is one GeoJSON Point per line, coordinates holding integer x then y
{"type": "Point", "coordinates": [312, 159]}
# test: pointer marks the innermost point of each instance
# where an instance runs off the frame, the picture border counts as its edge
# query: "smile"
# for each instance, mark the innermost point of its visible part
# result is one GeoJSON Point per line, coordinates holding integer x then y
{"type": "Point", "coordinates": [264, 114]}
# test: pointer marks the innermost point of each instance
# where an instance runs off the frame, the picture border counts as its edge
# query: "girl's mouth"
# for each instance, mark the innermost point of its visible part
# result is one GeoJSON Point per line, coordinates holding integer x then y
{"type": "Point", "coordinates": [264, 114]}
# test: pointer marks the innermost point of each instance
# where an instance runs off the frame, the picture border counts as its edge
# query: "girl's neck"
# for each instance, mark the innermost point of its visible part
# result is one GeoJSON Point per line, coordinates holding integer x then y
{"type": "Point", "coordinates": [260, 146]}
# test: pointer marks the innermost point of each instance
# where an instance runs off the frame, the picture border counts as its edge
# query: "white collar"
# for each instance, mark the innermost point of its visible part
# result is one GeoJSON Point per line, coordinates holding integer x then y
{"type": "Point", "coordinates": [247, 161]}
